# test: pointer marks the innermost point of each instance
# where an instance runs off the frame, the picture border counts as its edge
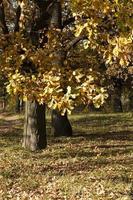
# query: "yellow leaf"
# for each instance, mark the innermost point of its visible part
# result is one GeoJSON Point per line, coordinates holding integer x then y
{"type": "Point", "coordinates": [116, 51]}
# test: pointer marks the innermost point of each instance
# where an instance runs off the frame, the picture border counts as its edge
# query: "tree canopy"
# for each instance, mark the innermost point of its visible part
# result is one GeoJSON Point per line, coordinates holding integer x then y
{"type": "Point", "coordinates": [37, 58]}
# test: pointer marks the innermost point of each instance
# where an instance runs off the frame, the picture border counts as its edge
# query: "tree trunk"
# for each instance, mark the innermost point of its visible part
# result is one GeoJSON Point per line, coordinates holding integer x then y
{"type": "Point", "coordinates": [116, 101]}
{"type": "Point", "coordinates": [17, 106]}
{"type": "Point", "coordinates": [60, 125]}
{"type": "Point", "coordinates": [4, 99]}
{"type": "Point", "coordinates": [116, 96]}
{"type": "Point", "coordinates": [34, 137]}
{"type": "Point", "coordinates": [125, 98]}
{"type": "Point", "coordinates": [131, 101]}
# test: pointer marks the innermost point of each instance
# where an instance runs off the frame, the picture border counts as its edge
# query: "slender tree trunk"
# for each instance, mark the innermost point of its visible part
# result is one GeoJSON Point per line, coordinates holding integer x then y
{"type": "Point", "coordinates": [17, 106]}
{"type": "Point", "coordinates": [125, 98]}
{"type": "Point", "coordinates": [117, 105]}
{"type": "Point", "coordinates": [22, 105]}
{"type": "Point", "coordinates": [60, 124]}
{"type": "Point", "coordinates": [131, 101]}
{"type": "Point", "coordinates": [116, 96]}
{"type": "Point", "coordinates": [34, 137]}
{"type": "Point", "coordinates": [4, 99]}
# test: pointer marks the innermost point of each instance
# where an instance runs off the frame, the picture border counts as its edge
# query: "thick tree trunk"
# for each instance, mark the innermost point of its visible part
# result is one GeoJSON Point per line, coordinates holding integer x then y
{"type": "Point", "coordinates": [34, 137]}
{"type": "Point", "coordinates": [60, 125]}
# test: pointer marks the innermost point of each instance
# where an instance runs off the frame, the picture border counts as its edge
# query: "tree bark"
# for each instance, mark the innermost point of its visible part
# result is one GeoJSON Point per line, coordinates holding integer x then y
{"type": "Point", "coordinates": [125, 98]}
{"type": "Point", "coordinates": [17, 106]}
{"type": "Point", "coordinates": [34, 137]}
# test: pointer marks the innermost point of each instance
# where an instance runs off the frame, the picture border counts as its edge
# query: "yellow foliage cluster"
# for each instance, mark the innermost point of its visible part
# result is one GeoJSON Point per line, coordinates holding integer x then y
{"type": "Point", "coordinates": [47, 88]}
{"type": "Point", "coordinates": [108, 26]}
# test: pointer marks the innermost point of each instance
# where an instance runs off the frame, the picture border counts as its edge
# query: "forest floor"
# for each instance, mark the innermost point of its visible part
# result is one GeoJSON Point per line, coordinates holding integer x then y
{"type": "Point", "coordinates": [95, 164]}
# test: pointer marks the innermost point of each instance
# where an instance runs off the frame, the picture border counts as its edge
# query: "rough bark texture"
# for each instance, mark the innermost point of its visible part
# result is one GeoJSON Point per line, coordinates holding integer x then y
{"type": "Point", "coordinates": [60, 125]}
{"type": "Point", "coordinates": [34, 137]}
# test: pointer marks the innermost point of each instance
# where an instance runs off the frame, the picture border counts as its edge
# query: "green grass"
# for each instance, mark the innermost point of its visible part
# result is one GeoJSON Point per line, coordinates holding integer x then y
{"type": "Point", "coordinates": [95, 164]}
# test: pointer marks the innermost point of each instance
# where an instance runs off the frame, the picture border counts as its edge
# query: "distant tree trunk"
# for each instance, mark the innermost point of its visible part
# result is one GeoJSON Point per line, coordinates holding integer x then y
{"type": "Point", "coordinates": [21, 105]}
{"type": "Point", "coordinates": [4, 99]}
{"type": "Point", "coordinates": [116, 101]}
{"type": "Point", "coordinates": [34, 137]}
{"type": "Point", "coordinates": [116, 96]}
{"type": "Point", "coordinates": [131, 101]}
{"type": "Point", "coordinates": [17, 106]}
{"type": "Point", "coordinates": [60, 124]}
{"type": "Point", "coordinates": [125, 98]}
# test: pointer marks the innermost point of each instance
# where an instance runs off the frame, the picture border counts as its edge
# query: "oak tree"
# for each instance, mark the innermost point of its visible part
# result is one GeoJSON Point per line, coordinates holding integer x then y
{"type": "Point", "coordinates": [37, 40]}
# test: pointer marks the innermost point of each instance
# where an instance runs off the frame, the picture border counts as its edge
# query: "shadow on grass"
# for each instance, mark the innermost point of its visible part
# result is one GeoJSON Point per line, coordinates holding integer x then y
{"type": "Point", "coordinates": [78, 166]}
{"type": "Point", "coordinates": [15, 135]}
{"type": "Point", "coordinates": [121, 135]}
{"type": "Point", "coordinates": [101, 120]}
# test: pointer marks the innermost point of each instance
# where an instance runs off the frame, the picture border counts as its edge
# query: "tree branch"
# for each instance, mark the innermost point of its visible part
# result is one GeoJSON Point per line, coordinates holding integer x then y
{"type": "Point", "coordinates": [2, 18]}
{"type": "Point", "coordinates": [18, 14]}
{"type": "Point", "coordinates": [75, 41]}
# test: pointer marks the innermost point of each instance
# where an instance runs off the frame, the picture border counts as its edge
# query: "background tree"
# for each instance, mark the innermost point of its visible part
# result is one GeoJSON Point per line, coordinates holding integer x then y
{"type": "Point", "coordinates": [3, 93]}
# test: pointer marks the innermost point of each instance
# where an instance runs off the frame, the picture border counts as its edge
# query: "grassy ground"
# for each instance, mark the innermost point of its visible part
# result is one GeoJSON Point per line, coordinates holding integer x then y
{"type": "Point", "coordinates": [95, 164]}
